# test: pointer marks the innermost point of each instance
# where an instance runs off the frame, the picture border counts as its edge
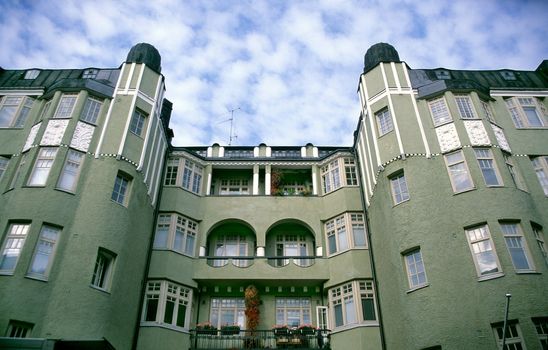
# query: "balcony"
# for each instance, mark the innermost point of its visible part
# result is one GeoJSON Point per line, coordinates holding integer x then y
{"type": "Point", "coordinates": [260, 339]}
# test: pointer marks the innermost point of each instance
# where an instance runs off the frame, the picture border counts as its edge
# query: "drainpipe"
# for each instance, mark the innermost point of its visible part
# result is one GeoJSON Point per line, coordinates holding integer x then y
{"type": "Point", "coordinates": [508, 296]}
{"type": "Point", "coordinates": [149, 254]}
{"type": "Point", "coordinates": [371, 259]}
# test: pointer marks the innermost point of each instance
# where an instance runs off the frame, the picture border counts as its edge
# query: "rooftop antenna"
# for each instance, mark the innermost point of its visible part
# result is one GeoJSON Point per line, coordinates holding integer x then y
{"type": "Point", "coordinates": [232, 135]}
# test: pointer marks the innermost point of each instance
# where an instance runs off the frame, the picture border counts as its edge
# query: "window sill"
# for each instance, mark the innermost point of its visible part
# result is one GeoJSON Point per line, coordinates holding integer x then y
{"type": "Point", "coordinates": [402, 202]}
{"type": "Point", "coordinates": [37, 278]}
{"type": "Point", "coordinates": [6, 273]}
{"type": "Point", "coordinates": [475, 118]}
{"type": "Point", "coordinates": [89, 123]}
{"type": "Point", "coordinates": [490, 277]}
{"type": "Point", "coordinates": [166, 326]}
{"type": "Point", "coordinates": [118, 203]}
{"type": "Point", "coordinates": [65, 191]}
{"type": "Point", "coordinates": [532, 128]}
{"type": "Point", "coordinates": [386, 133]}
{"type": "Point", "coordinates": [417, 288]}
{"type": "Point", "coordinates": [464, 191]}
{"type": "Point", "coordinates": [443, 123]}
{"type": "Point", "coordinates": [99, 289]}
{"type": "Point", "coordinates": [528, 272]}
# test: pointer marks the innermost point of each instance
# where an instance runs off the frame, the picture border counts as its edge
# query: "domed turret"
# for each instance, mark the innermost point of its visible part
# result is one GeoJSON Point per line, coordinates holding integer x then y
{"type": "Point", "coordinates": [147, 54]}
{"type": "Point", "coordinates": [380, 52]}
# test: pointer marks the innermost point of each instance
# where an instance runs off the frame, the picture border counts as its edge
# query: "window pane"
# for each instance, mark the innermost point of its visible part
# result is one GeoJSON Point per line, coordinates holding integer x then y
{"type": "Point", "coordinates": [152, 307]}
{"type": "Point", "coordinates": [181, 313]}
{"type": "Point", "coordinates": [368, 309]}
{"type": "Point", "coordinates": [338, 315]}
{"type": "Point", "coordinates": [168, 313]}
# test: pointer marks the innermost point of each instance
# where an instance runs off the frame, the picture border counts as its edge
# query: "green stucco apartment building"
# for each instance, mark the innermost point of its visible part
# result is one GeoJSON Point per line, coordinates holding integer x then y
{"type": "Point", "coordinates": [113, 238]}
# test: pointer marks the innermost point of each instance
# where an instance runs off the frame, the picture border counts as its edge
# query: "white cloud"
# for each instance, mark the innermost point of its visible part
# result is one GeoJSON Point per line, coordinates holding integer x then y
{"type": "Point", "coordinates": [291, 67]}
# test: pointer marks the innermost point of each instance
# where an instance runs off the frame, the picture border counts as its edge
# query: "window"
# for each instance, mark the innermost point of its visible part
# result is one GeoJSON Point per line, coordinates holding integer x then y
{"type": "Point", "coordinates": [45, 110]}
{"type": "Point", "coordinates": [13, 244]}
{"type": "Point", "coordinates": [3, 165]}
{"type": "Point", "coordinates": [231, 245]}
{"type": "Point", "coordinates": [514, 172]}
{"type": "Point", "coordinates": [66, 106]}
{"type": "Point", "coordinates": [464, 105]}
{"type": "Point", "coordinates": [384, 122]}
{"type": "Point", "coordinates": [15, 177]}
{"type": "Point", "coordinates": [400, 193]}
{"type": "Point", "coordinates": [513, 340]}
{"type": "Point", "coordinates": [42, 166]}
{"type": "Point", "coordinates": [353, 302]}
{"type": "Point", "coordinates": [291, 245]}
{"type": "Point", "coordinates": [137, 122]}
{"type": "Point", "coordinates": [176, 232]}
{"type": "Point", "coordinates": [234, 186]}
{"type": "Point", "coordinates": [508, 75]}
{"type": "Point", "coordinates": [527, 112]}
{"type": "Point", "coordinates": [91, 110]}
{"type": "Point", "coordinates": [350, 172]}
{"type": "Point", "coordinates": [71, 171]}
{"type": "Point", "coordinates": [540, 164]}
{"type": "Point", "coordinates": [337, 229]}
{"type": "Point", "coordinates": [31, 74]}
{"type": "Point", "coordinates": [517, 246]}
{"type": "Point", "coordinates": [539, 237]}
{"type": "Point", "coordinates": [9, 108]}
{"type": "Point", "coordinates": [487, 111]}
{"type": "Point", "coordinates": [192, 176]}
{"type": "Point", "coordinates": [439, 111]}
{"type": "Point", "coordinates": [488, 166]}
{"type": "Point", "coordinates": [121, 188]}
{"type": "Point", "coordinates": [44, 252]}
{"type": "Point", "coordinates": [541, 326]}
{"type": "Point", "coordinates": [102, 272]}
{"type": "Point", "coordinates": [172, 168]}
{"type": "Point", "coordinates": [293, 312]}
{"type": "Point", "coordinates": [19, 329]}
{"type": "Point", "coordinates": [416, 275]}
{"type": "Point", "coordinates": [442, 74]}
{"type": "Point", "coordinates": [167, 303]}
{"type": "Point", "coordinates": [483, 251]}
{"type": "Point", "coordinates": [331, 177]}
{"type": "Point", "coordinates": [90, 73]}
{"type": "Point", "coordinates": [458, 172]}
{"type": "Point", "coordinates": [227, 311]}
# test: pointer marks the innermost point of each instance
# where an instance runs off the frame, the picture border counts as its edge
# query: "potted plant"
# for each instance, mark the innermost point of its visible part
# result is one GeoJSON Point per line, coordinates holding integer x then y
{"type": "Point", "coordinates": [205, 328]}
{"type": "Point", "coordinates": [252, 313]}
{"type": "Point", "coordinates": [281, 330]}
{"type": "Point", "coordinates": [306, 329]}
{"type": "Point", "coordinates": [230, 329]}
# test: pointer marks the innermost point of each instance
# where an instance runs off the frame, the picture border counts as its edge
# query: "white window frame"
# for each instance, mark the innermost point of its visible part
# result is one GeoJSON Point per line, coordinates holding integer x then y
{"type": "Point", "coordinates": [90, 73]}
{"type": "Point", "coordinates": [19, 108]}
{"type": "Point", "coordinates": [350, 171]}
{"type": "Point", "coordinates": [218, 306]}
{"type": "Point", "coordinates": [42, 166]}
{"type": "Point", "coordinates": [103, 270]}
{"type": "Point", "coordinates": [465, 107]}
{"type": "Point", "coordinates": [414, 267]}
{"type": "Point", "coordinates": [285, 243]}
{"type": "Point", "coordinates": [515, 242]}
{"type": "Point", "coordinates": [172, 169]}
{"type": "Point", "coordinates": [174, 228]}
{"type": "Point", "coordinates": [165, 292]}
{"type": "Point", "coordinates": [513, 335]}
{"type": "Point", "coordinates": [14, 242]}
{"type": "Point", "coordinates": [286, 306]}
{"type": "Point", "coordinates": [31, 74]}
{"type": "Point", "coordinates": [224, 241]}
{"type": "Point", "coordinates": [487, 163]}
{"type": "Point", "coordinates": [515, 174]}
{"type": "Point", "coordinates": [191, 177]}
{"type": "Point", "coordinates": [45, 248]}
{"type": "Point", "coordinates": [453, 167]}
{"type": "Point", "coordinates": [121, 189]}
{"type": "Point", "coordinates": [384, 122]}
{"type": "Point", "coordinates": [518, 107]}
{"type": "Point", "coordinates": [234, 186]}
{"type": "Point", "coordinates": [338, 173]}
{"type": "Point", "coordinates": [480, 241]}
{"type": "Point", "coordinates": [71, 171]}
{"type": "Point", "coordinates": [399, 189]}
{"type": "Point", "coordinates": [342, 231]}
{"type": "Point", "coordinates": [541, 243]}
{"type": "Point", "coordinates": [138, 122]}
{"type": "Point", "coordinates": [19, 329]}
{"type": "Point", "coordinates": [91, 110]}
{"type": "Point", "coordinates": [540, 165]}
{"type": "Point", "coordinates": [65, 107]}
{"type": "Point", "coordinates": [439, 111]}
{"type": "Point", "coordinates": [349, 296]}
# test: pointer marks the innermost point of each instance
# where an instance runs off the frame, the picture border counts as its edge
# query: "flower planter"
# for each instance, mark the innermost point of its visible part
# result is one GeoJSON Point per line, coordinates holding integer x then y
{"type": "Point", "coordinates": [230, 331]}
{"type": "Point", "coordinates": [206, 331]}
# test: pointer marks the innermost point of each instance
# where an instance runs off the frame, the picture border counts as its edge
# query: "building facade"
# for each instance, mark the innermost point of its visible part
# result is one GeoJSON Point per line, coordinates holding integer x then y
{"type": "Point", "coordinates": [408, 239]}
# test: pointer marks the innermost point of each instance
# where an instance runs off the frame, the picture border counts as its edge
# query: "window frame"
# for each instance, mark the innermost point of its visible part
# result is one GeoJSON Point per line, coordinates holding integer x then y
{"type": "Point", "coordinates": [355, 291]}
{"type": "Point", "coordinates": [517, 107]}
{"type": "Point", "coordinates": [397, 184]}
{"type": "Point", "coordinates": [170, 223]}
{"type": "Point", "coordinates": [488, 111]}
{"type": "Point", "coordinates": [20, 110]}
{"type": "Point", "coordinates": [45, 156]}
{"type": "Point", "coordinates": [17, 327]}
{"type": "Point", "coordinates": [19, 235]}
{"type": "Point", "coordinates": [292, 241]}
{"type": "Point", "coordinates": [238, 310]}
{"type": "Point", "coordinates": [115, 196]}
{"type": "Point", "coordinates": [513, 238]}
{"type": "Point", "coordinates": [65, 170]}
{"type": "Point", "coordinates": [53, 243]}
{"type": "Point", "coordinates": [65, 106]}
{"type": "Point", "coordinates": [137, 124]}
{"type": "Point", "coordinates": [191, 176]}
{"type": "Point", "coordinates": [511, 338]}
{"type": "Point", "coordinates": [485, 159]}
{"type": "Point", "coordinates": [465, 107]}
{"type": "Point", "coordinates": [450, 173]}
{"type": "Point", "coordinates": [285, 305]}
{"type": "Point", "coordinates": [103, 270]}
{"type": "Point", "coordinates": [164, 291]}
{"type": "Point", "coordinates": [334, 174]}
{"type": "Point", "coordinates": [346, 222]}
{"type": "Point", "coordinates": [514, 171]}
{"type": "Point", "coordinates": [385, 124]}
{"type": "Point", "coordinates": [539, 238]}
{"type": "Point", "coordinates": [540, 166]}
{"type": "Point", "coordinates": [415, 264]}
{"type": "Point", "coordinates": [437, 111]}
{"type": "Point", "coordinates": [541, 328]}
{"type": "Point", "coordinates": [234, 187]}
{"type": "Point", "coordinates": [477, 241]}
{"type": "Point", "coordinates": [4, 164]}
{"type": "Point", "coordinates": [240, 242]}
{"type": "Point", "coordinates": [92, 107]}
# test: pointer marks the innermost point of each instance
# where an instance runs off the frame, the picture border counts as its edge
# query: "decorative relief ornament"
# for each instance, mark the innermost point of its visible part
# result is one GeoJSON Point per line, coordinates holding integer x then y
{"type": "Point", "coordinates": [448, 137]}
{"type": "Point", "coordinates": [54, 132]}
{"type": "Point", "coordinates": [476, 133]}
{"type": "Point", "coordinates": [82, 136]}
{"type": "Point", "coordinates": [501, 138]}
{"type": "Point", "coordinates": [31, 137]}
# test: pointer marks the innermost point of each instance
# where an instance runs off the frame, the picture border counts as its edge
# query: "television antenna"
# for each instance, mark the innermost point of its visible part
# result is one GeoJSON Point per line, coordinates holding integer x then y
{"type": "Point", "coordinates": [232, 134]}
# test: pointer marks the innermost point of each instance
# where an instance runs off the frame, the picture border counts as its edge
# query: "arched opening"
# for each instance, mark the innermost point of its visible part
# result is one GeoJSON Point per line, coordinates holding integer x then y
{"type": "Point", "coordinates": [233, 238]}
{"type": "Point", "coordinates": [290, 241]}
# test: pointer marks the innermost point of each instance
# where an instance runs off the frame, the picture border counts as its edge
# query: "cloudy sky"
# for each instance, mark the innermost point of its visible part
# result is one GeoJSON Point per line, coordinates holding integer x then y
{"type": "Point", "coordinates": [289, 68]}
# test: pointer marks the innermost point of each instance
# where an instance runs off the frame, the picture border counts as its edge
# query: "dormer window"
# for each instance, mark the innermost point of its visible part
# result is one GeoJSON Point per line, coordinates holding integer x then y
{"type": "Point", "coordinates": [90, 73]}
{"type": "Point", "coordinates": [31, 74]}
{"type": "Point", "coordinates": [443, 74]}
{"type": "Point", "coordinates": [508, 75]}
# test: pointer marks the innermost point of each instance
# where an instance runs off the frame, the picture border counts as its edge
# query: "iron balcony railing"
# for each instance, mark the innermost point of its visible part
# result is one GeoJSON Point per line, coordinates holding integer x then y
{"type": "Point", "coordinates": [246, 261]}
{"type": "Point", "coordinates": [260, 339]}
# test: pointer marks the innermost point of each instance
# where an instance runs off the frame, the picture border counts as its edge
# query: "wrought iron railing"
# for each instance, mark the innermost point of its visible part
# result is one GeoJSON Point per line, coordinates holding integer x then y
{"type": "Point", "coordinates": [246, 261]}
{"type": "Point", "coordinates": [260, 339]}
